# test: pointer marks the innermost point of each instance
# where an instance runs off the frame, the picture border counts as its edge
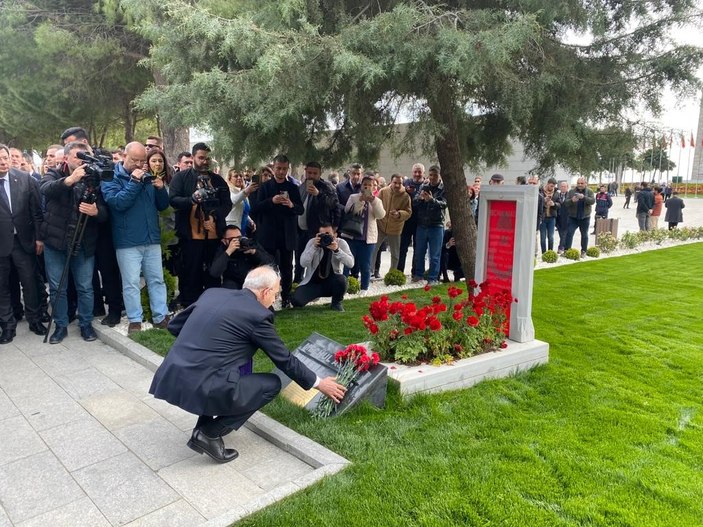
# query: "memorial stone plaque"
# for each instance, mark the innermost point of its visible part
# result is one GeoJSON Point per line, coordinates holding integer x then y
{"type": "Point", "coordinates": [317, 353]}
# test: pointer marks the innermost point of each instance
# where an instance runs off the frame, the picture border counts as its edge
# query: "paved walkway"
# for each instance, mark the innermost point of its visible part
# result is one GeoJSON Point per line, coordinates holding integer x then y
{"type": "Point", "coordinates": [82, 443]}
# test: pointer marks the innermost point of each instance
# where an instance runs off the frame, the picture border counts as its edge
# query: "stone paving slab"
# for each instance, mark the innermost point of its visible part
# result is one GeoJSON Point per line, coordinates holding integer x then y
{"type": "Point", "coordinates": [82, 443]}
{"type": "Point", "coordinates": [35, 485]}
{"type": "Point", "coordinates": [80, 513]}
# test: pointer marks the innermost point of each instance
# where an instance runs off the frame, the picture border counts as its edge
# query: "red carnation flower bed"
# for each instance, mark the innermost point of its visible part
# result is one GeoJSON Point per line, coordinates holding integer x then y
{"type": "Point", "coordinates": [440, 331]}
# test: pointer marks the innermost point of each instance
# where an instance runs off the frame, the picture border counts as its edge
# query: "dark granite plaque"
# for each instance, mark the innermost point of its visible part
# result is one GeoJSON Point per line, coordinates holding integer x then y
{"type": "Point", "coordinates": [317, 353]}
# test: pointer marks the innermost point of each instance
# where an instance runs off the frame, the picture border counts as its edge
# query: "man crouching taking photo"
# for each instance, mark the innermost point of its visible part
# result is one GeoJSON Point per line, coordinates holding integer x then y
{"type": "Point", "coordinates": [324, 259]}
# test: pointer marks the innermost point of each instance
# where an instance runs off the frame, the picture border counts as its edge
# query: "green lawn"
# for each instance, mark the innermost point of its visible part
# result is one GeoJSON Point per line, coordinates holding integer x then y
{"type": "Point", "coordinates": [609, 433]}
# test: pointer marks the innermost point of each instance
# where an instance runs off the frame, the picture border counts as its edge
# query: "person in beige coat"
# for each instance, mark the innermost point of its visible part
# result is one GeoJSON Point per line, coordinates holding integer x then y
{"type": "Point", "coordinates": [369, 208]}
{"type": "Point", "coordinates": [396, 201]}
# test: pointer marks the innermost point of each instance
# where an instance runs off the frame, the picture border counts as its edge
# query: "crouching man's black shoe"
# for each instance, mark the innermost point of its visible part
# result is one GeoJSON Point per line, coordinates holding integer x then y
{"type": "Point", "coordinates": [213, 447]}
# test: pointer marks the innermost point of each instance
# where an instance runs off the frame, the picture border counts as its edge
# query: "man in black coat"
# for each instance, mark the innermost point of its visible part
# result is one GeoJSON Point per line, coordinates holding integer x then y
{"type": "Point", "coordinates": [320, 206]}
{"type": "Point", "coordinates": [20, 242]}
{"type": "Point", "coordinates": [674, 210]}
{"type": "Point", "coordinates": [71, 196]}
{"type": "Point", "coordinates": [202, 202]}
{"type": "Point", "coordinates": [217, 337]}
{"type": "Point", "coordinates": [277, 208]}
{"type": "Point", "coordinates": [236, 257]}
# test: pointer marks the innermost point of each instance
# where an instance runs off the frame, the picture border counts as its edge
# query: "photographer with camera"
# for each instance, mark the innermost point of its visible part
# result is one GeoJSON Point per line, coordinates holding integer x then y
{"type": "Point", "coordinates": [324, 259]}
{"type": "Point", "coordinates": [202, 202]}
{"type": "Point", "coordinates": [135, 199]}
{"type": "Point", "coordinates": [236, 256]}
{"type": "Point", "coordinates": [73, 202]}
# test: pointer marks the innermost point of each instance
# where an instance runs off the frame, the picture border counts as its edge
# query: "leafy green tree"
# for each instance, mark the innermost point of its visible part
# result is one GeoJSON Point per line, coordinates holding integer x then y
{"type": "Point", "coordinates": [68, 65]}
{"type": "Point", "coordinates": [655, 159]}
{"type": "Point", "coordinates": [328, 79]}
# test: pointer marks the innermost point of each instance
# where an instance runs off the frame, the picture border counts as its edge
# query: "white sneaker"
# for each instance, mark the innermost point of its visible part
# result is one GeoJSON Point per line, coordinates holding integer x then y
{"type": "Point", "coordinates": [363, 292]}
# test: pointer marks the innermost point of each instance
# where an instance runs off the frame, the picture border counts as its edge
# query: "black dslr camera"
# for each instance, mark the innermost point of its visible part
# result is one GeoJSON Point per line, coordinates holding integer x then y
{"type": "Point", "coordinates": [326, 239]}
{"type": "Point", "coordinates": [245, 243]}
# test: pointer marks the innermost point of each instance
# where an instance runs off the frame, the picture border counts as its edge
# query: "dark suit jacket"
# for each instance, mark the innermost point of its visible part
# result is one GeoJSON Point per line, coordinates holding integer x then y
{"type": "Point", "coordinates": [26, 215]}
{"type": "Point", "coordinates": [277, 225]}
{"type": "Point", "coordinates": [217, 334]}
{"type": "Point", "coordinates": [323, 208]}
{"type": "Point", "coordinates": [674, 210]}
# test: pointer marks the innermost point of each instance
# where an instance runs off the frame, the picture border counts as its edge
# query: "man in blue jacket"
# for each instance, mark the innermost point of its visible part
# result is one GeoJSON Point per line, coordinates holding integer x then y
{"type": "Point", "coordinates": [135, 200]}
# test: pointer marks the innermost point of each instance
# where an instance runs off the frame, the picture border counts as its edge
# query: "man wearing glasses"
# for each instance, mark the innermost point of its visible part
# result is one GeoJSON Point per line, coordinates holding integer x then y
{"type": "Point", "coordinates": [236, 256]}
{"type": "Point", "coordinates": [153, 142]}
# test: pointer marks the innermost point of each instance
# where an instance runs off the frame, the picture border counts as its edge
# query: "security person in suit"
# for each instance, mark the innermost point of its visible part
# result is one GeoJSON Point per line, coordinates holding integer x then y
{"type": "Point", "coordinates": [217, 337]}
{"type": "Point", "coordinates": [20, 242]}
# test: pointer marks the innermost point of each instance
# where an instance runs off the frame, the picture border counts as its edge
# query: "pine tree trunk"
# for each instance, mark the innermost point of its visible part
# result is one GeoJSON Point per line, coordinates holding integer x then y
{"type": "Point", "coordinates": [452, 170]}
{"type": "Point", "coordinates": [176, 138]}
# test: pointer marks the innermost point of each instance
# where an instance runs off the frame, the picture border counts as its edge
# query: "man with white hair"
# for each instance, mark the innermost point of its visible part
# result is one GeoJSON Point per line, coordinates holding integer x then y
{"type": "Point", "coordinates": [208, 372]}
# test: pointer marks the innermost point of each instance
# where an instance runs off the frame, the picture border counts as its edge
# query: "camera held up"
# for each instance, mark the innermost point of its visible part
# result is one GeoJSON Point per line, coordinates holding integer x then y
{"type": "Point", "coordinates": [97, 168]}
{"type": "Point", "coordinates": [326, 239]}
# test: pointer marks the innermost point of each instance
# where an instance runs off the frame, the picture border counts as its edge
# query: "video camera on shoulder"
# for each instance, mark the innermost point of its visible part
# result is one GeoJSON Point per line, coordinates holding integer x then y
{"type": "Point", "coordinates": [99, 168]}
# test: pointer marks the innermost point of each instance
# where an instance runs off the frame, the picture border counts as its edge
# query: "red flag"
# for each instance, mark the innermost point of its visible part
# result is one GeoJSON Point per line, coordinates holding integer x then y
{"type": "Point", "coordinates": [693, 141]}
{"type": "Point", "coordinates": [671, 139]}
{"type": "Point", "coordinates": [683, 141]}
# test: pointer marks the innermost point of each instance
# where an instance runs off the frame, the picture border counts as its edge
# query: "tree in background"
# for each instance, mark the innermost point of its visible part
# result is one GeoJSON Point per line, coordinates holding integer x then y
{"type": "Point", "coordinates": [75, 62]}
{"type": "Point", "coordinates": [655, 160]}
{"type": "Point", "coordinates": [329, 79]}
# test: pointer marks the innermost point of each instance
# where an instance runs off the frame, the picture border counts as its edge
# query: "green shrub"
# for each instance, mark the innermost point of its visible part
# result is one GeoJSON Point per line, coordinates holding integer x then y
{"type": "Point", "coordinates": [394, 277]}
{"type": "Point", "coordinates": [550, 256]}
{"type": "Point", "coordinates": [607, 242]}
{"type": "Point", "coordinates": [170, 282]}
{"type": "Point", "coordinates": [353, 285]}
{"type": "Point", "coordinates": [593, 252]}
{"type": "Point", "coordinates": [658, 235]}
{"type": "Point", "coordinates": [630, 240]}
{"type": "Point", "coordinates": [293, 287]}
{"type": "Point", "coordinates": [572, 254]}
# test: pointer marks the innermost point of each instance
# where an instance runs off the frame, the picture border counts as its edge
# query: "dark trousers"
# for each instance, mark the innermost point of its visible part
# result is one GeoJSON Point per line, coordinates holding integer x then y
{"type": "Point", "coordinates": [284, 261]}
{"type": "Point", "coordinates": [335, 285]}
{"type": "Point", "coordinates": [303, 238]}
{"type": "Point", "coordinates": [582, 225]}
{"type": "Point", "coordinates": [406, 239]}
{"type": "Point", "coordinates": [194, 278]}
{"type": "Point", "coordinates": [26, 265]}
{"type": "Point", "coordinates": [255, 391]}
{"type": "Point", "coordinates": [108, 284]}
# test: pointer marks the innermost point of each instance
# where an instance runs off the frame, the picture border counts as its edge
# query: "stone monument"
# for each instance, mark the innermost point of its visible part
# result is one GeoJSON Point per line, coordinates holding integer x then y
{"type": "Point", "coordinates": [317, 353]}
{"type": "Point", "coordinates": [505, 255]}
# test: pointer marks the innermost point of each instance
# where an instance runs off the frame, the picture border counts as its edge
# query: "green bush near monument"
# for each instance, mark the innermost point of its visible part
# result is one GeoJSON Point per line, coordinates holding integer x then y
{"type": "Point", "coordinates": [550, 256]}
{"type": "Point", "coordinates": [572, 254]}
{"type": "Point", "coordinates": [395, 277]}
{"type": "Point", "coordinates": [353, 285]}
{"type": "Point", "coordinates": [593, 252]}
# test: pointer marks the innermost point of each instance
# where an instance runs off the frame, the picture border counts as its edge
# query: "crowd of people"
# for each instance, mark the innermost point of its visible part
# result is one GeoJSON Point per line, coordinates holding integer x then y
{"type": "Point", "coordinates": [95, 235]}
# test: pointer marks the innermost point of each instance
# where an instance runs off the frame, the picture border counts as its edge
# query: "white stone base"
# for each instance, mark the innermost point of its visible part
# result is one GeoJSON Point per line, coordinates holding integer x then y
{"type": "Point", "coordinates": [518, 356]}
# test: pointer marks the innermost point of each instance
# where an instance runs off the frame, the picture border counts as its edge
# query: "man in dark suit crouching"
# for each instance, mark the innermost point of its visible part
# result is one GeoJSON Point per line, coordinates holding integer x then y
{"type": "Point", "coordinates": [204, 372]}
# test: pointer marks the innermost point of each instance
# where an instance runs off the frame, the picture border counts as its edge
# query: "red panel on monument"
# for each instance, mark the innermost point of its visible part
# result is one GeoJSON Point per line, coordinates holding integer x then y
{"type": "Point", "coordinates": [501, 244]}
